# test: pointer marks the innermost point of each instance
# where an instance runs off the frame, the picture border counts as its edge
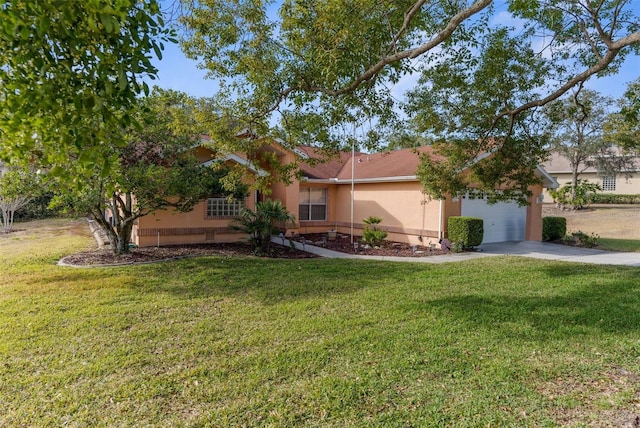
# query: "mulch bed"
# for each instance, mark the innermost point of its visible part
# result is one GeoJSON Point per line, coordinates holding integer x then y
{"type": "Point", "coordinates": [106, 257]}
{"type": "Point", "coordinates": [343, 244]}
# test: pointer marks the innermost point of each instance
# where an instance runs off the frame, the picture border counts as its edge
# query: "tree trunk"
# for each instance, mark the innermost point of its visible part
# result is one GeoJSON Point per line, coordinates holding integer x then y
{"type": "Point", "coordinates": [574, 184]}
{"type": "Point", "coordinates": [121, 246]}
{"type": "Point", "coordinates": [119, 236]}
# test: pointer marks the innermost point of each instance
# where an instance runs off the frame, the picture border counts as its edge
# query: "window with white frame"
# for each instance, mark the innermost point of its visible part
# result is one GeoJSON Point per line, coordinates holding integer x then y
{"type": "Point", "coordinates": [609, 183]}
{"type": "Point", "coordinates": [313, 204]}
{"type": "Point", "coordinates": [223, 207]}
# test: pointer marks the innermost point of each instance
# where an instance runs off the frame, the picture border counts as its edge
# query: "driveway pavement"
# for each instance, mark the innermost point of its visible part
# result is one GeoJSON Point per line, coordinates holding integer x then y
{"type": "Point", "coordinates": [534, 249]}
{"type": "Point", "coordinates": [548, 251]}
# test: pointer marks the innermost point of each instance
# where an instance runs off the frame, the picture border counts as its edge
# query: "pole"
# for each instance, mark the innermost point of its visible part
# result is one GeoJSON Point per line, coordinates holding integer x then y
{"type": "Point", "coordinates": [353, 168]}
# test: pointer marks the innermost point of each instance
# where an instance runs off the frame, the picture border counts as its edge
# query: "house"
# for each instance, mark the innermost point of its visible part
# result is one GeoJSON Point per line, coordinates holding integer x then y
{"type": "Point", "coordinates": [624, 183]}
{"type": "Point", "coordinates": [340, 193]}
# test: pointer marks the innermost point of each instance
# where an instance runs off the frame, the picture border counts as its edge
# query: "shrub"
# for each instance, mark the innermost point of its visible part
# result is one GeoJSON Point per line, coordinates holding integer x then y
{"type": "Point", "coordinates": [466, 231]}
{"type": "Point", "coordinates": [611, 198]}
{"type": "Point", "coordinates": [581, 239]}
{"type": "Point", "coordinates": [263, 222]}
{"type": "Point", "coordinates": [372, 234]}
{"type": "Point", "coordinates": [583, 194]}
{"type": "Point", "coordinates": [553, 228]}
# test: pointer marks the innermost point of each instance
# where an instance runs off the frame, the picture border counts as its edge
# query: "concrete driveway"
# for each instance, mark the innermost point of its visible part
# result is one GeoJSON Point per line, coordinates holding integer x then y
{"type": "Point", "coordinates": [548, 251]}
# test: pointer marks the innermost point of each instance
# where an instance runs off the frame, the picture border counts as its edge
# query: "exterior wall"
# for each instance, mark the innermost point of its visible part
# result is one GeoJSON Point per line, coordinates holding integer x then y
{"type": "Point", "coordinates": [400, 205]}
{"type": "Point", "coordinates": [624, 186]}
{"type": "Point", "coordinates": [534, 216]}
{"type": "Point", "coordinates": [169, 227]}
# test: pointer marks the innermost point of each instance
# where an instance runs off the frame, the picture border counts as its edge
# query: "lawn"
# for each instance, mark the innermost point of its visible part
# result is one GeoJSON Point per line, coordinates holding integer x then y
{"type": "Point", "coordinates": [217, 341]}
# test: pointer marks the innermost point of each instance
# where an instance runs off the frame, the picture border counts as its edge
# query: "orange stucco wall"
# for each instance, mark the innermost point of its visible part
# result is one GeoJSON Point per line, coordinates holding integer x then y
{"type": "Point", "coordinates": [400, 205]}
{"type": "Point", "coordinates": [169, 227]}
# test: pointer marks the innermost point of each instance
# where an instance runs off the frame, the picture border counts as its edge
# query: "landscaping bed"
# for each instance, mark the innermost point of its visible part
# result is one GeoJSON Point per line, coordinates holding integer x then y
{"type": "Point", "coordinates": [105, 256]}
{"type": "Point", "coordinates": [343, 244]}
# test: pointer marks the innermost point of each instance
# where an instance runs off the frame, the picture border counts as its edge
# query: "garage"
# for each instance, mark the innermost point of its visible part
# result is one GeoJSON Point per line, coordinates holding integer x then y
{"type": "Point", "coordinates": [503, 221]}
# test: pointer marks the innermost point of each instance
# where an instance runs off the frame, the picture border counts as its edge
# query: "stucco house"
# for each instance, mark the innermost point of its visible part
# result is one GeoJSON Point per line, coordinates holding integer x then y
{"type": "Point", "coordinates": [340, 193]}
{"type": "Point", "coordinates": [623, 183]}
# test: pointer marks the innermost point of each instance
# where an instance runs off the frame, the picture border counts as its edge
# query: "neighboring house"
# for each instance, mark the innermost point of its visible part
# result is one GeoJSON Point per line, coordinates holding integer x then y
{"type": "Point", "coordinates": [623, 183]}
{"type": "Point", "coordinates": [384, 185]}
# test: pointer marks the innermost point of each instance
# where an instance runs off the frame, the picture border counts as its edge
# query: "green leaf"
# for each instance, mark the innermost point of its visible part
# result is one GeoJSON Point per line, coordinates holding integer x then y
{"type": "Point", "coordinates": [107, 22]}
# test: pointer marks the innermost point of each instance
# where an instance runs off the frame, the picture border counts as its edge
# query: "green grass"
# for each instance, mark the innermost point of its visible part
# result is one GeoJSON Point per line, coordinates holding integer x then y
{"type": "Point", "coordinates": [627, 245]}
{"type": "Point", "coordinates": [220, 341]}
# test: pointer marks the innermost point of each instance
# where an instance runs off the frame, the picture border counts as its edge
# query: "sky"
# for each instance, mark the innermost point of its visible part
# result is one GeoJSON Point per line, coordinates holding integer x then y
{"type": "Point", "coordinates": [180, 73]}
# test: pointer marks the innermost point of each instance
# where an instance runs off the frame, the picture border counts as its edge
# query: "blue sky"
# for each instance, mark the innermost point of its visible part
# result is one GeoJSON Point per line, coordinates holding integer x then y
{"type": "Point", "coordinates": [179, 73]}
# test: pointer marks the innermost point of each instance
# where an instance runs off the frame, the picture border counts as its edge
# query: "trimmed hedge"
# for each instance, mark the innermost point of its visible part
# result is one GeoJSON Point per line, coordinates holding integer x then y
{"type": "Point", "coordinates": [553, 228]}
{"type": "Point", "coordinates": [611, 198]}
{"type": "Point", "coordinates": [466, 231]}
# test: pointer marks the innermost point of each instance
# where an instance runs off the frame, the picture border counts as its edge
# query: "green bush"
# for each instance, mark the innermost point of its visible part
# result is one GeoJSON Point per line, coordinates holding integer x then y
{"type": "Point", "coordinates": [372, 234]}
{"type": "Point", "coordinates": [553, 228]}
{"type": "Point", "coordinates": [466, 231]}
{"type": "Point", "coordinates": [611, 198]}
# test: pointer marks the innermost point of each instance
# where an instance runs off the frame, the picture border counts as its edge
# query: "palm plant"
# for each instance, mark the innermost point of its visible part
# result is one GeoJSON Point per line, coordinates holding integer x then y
{"type": "Point", "coordinates": [260, 224]}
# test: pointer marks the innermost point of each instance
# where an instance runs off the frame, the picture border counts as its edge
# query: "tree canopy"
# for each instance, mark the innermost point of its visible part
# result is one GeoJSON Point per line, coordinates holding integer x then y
{"type": "Point", "coordinates": [69, 76]}
{"type": "Point", "coordinates": [308, 70]}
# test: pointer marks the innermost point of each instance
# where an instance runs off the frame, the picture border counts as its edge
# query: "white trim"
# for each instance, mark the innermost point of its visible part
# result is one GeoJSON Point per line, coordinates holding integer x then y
{"type": "Point", "coordinates": [361, 180]}
{"type": "Point", "coordinates": [239, 160]}
{"type": "Point", "coordinates": [553, 183]}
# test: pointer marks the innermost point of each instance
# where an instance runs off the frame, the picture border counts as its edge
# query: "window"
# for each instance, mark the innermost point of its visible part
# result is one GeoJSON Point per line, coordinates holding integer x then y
{"type": "Point", "coordinates": [313, 204]}
{"type": "Point", "coordinates": [609, 183]}
{"type": "Point", "coordinates": [222, 207]}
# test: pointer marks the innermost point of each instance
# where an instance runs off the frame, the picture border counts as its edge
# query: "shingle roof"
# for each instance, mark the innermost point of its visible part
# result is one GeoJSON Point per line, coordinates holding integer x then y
{"type": "Point", "coordinates": [392, 164]}
{"type": "Point", "coordinates": [557, 163]}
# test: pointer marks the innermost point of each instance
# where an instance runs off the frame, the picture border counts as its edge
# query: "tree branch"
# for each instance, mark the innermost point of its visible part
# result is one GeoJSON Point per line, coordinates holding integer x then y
{"type": "Point", "coordinates": [611, 54]}
{"type": "Point", "coordinates": [375, 69]}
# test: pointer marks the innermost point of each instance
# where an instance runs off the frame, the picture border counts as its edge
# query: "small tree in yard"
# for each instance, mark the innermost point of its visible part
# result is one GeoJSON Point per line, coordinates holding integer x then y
{"type": "Point", "coordinates": [263, 222]}
{"type": "Point", "coordinates": [372, 234]}
{"type": "Point", "coordinates": [155, 170]}
{"type": "Point", "coordinates": [18, 186]}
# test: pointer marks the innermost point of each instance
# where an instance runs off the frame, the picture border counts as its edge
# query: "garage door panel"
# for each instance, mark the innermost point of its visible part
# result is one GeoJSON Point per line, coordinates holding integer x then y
{"type": "Point", "coordinates": [503, 221]}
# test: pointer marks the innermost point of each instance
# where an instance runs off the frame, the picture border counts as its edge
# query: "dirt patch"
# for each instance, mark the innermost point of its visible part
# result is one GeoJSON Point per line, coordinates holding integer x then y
{"type": "Point", "coordinates": [606, 221]}
{"type": "Point", "coordinates": [612, 399]}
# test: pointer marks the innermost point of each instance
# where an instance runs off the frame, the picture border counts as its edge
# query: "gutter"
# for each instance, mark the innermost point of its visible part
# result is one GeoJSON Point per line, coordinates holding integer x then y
{"type": "Point", "coordinates": [362, 180]}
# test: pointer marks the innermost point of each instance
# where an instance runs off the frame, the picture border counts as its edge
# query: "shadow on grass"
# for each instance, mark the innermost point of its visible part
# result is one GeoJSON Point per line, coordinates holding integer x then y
{"type": "Point", "coordinates": [594, 299]}
{"type": "Point", "coordinates": [266, 280]}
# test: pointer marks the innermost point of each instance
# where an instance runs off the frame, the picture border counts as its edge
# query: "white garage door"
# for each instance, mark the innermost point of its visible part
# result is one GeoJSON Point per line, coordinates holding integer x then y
{"type": "Point", "coordinates": [503, 221]}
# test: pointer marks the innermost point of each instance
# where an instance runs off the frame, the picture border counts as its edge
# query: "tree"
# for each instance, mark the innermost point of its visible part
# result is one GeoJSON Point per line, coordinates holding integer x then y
{"type": "Point", "coordinates": [155, 170]}
{"type": "Point", "coordinates": [309, 69]}
{"type": "Point", "coordinates": [69, 78]}
{"type": "Point", "coordinates": [18, 186]}
{"type": "Point", "coordinates": [623, 128]}
{"type": "Point", "coordinates": [576, 123]}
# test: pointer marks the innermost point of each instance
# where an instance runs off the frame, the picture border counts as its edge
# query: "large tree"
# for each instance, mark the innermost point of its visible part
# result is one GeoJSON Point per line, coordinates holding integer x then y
{"type": "Point", "coordinates": [623, 128]}
{"type": "Point", "coordinates": [70, 72]}
{"type": "Point", "coordinates": [314, 66]}
{"type": "Point", "coordinates": [155, 170]}
{"type": "Point", "coordinates": [577, 125]}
